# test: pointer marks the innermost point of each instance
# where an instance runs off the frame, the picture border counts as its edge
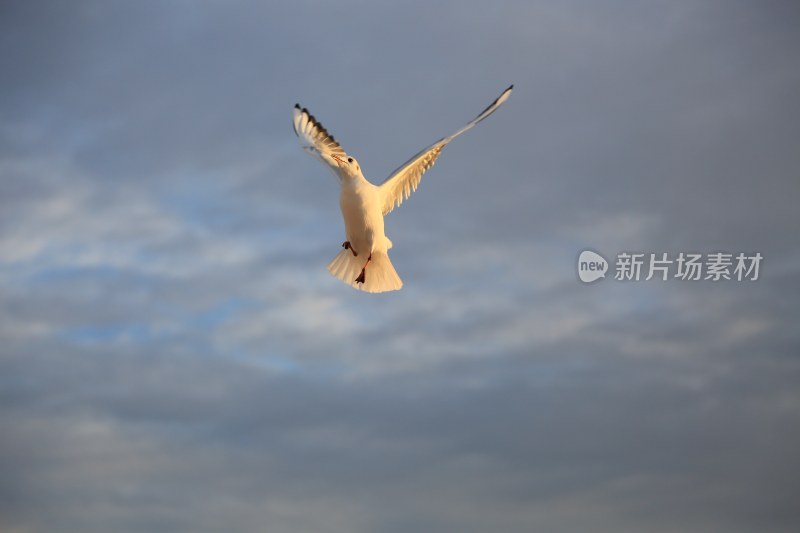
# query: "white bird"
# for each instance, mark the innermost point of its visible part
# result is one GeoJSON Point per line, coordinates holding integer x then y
{"type": "Point", "coordinates": [364, 263]}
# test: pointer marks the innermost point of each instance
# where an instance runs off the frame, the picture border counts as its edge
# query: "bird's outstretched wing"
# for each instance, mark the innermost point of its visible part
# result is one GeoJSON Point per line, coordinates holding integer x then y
{"type": "Point", "coordinates": [403, 181]}
{"type": "Point", "coordinates": [316, 139]}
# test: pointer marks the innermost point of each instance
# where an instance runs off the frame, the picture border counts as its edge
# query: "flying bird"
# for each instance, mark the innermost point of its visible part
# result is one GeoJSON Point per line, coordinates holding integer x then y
{"type": "Point", "coordinates": [364, 262]}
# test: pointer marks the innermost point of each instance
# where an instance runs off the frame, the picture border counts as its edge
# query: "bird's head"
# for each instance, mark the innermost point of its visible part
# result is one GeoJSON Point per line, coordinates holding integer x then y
{"type": "Point", "coordinates": [347, 167]}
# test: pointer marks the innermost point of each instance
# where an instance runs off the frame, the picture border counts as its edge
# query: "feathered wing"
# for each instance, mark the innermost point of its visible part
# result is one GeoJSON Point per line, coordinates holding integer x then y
{"type": "Point", "coordinates": [316, 139]}
{"type": "Point", "coordinates": [403, 181]}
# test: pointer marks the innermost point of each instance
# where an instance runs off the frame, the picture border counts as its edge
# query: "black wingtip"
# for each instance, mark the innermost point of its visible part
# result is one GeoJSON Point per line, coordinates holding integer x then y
{"type": "Point", "coordinates": [510, 87]}
{"type": "Point", "coordinates": [297, 106]}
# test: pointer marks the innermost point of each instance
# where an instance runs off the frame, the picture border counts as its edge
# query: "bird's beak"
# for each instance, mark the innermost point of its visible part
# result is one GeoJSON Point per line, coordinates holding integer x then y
{"type": "Point", "coordinates": [338, 159]}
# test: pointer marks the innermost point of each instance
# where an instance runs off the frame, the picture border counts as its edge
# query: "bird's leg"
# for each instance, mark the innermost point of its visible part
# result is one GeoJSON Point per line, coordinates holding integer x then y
{"type": "Point", "coordinates": [363, 276]}
{"type": "Point", "coordinates": [346, 246]}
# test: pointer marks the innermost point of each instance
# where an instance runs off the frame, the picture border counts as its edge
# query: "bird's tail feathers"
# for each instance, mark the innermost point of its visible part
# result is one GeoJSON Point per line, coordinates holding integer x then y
{"type": "Point", "coordinates": [380, 275]}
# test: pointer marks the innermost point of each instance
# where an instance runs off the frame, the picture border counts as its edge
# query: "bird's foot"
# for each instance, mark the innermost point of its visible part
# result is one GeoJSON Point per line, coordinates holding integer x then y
{"type": "Point", "coordinates": [363, 276]}
{"type": "Point", "coordinates": [346, 246]}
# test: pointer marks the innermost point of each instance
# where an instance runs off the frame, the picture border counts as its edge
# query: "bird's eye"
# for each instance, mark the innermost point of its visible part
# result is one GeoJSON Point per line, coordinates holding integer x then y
{"type": "Point", "coordinates": [349, 159]}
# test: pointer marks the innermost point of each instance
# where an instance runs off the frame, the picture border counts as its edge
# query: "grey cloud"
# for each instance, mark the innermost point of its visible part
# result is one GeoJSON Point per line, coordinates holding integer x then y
{"type": "Point", "coordinates": [175, 357]}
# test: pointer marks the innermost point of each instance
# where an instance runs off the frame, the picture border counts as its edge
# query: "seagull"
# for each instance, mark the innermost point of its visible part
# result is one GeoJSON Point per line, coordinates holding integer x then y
{"type": "Point", "coordinates": [364, 262]}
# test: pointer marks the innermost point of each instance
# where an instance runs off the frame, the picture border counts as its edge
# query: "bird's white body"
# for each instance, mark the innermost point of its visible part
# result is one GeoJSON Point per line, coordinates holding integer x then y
{"type": "Point", "coordinates": [360, 202]}
{"type": "Point", "coordinates": [364, 262]}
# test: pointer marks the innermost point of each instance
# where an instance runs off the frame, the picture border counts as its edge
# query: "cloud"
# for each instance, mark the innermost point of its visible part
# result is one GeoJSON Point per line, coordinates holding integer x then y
{"type": "Point", "coordinates": [175, 356]}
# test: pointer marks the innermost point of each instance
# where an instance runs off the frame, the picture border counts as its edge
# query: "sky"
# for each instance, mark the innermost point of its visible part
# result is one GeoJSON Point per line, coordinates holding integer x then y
{"type": "Point", "coordinates": [174, 355]}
